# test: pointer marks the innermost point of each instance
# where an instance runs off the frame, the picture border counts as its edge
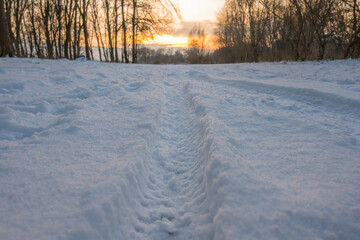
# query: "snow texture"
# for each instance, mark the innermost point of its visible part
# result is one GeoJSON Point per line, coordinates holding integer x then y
{"type": "Point", "coordinates": [90, 150]}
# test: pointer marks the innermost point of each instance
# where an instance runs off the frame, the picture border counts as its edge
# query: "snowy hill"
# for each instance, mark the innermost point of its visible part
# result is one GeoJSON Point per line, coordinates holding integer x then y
{"type": "Point", "coordinates": [90, 150]}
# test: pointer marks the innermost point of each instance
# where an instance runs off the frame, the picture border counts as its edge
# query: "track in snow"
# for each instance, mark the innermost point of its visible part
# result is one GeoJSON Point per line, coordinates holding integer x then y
{"type": "Point", "coordinates": [183, 202]}
{"type": "Point", "coordinates": [176, 182]}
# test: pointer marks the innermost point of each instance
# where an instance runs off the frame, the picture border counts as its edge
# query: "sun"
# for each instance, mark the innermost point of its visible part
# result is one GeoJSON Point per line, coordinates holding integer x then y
{"type": "Point", "coordinates": [168, 40]}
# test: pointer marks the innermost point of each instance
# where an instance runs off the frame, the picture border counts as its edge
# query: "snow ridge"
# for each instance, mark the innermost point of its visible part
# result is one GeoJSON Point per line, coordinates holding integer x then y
{"type": "Point", "coordinates": [315, 97]}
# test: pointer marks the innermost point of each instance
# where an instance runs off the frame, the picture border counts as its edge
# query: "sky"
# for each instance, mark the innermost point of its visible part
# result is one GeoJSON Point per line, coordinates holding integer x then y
{"type": "Point", "coordinates": [192, 12]}
{"type": "Point", "coordinates": [199, 10]}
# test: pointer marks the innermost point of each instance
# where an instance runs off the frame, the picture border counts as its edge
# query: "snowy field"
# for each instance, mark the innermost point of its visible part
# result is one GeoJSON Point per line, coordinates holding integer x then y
{"type": "Point", "coordinates": [91, 150]}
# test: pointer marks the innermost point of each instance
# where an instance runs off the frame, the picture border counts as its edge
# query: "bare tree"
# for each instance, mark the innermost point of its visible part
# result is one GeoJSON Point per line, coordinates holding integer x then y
{"type": "Point", "coordinates": [124, 28]}
{"type": "Point", "coordinates": [83, 6]}
{"type": "Point", "coordinates": [69, 14]}
{"type": "Point", "coordinates": [319, 12]}
{"type": "Point", "coordinates": [46, 10]}
{"type": "Point", "coordinates": [64, 28]}
{"type": "Point", "coordinates": [96, 26]}
{"type": "Point", "coordinates": [196, 44]}
{"type": "Point", "coordinates": [353, 42]}
{"type": "Point", "coordinates": [257, 25]}
{"type": "Point", "coordinates": [230, 30]}
{"type": "Point", "coordinates": [134, 30]}
{"type": "Point", "coordinates": [5, 42]}
{"type": "Point", "coordinates": [150, 17]}
{"type": "Point", "coordinates": [19, 7]}
{"type": "Point", "coordinates": [58, 31]}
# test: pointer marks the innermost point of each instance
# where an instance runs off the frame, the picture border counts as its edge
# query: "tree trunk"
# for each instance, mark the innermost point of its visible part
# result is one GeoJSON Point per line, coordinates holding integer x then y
{"type": "Point", "coordinates": [86, 32]}
{"type": "Point", "coordinates": [75, 34]}
{"type": "Point", "coordinates": [59, 13]}
{"type": "Point", "coordinates": [86, 36]}
{"type": "Point", "coordinates": [124, 32]}
{"type": "Point", "coordinates": [116, 17]}
{"type": "Point", "coordinates": [95, 22]}
{"type": "Point", "coordinates": [134, 32]}
{"type": "Point", "coordinates": [108, 27]}
{"type": "Point", "coordinates": [5, 42]}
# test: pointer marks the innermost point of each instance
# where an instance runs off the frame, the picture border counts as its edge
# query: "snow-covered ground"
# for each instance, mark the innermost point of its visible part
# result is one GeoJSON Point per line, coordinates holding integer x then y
{"type": "Point", "coordinates": [91, 150]}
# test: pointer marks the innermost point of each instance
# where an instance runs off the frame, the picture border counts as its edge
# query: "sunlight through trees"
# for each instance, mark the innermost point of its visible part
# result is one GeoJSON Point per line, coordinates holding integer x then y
{"type": "Point", "coordinates": [71, 28]}
{"type": "Point", "coordinates": [274, 30]}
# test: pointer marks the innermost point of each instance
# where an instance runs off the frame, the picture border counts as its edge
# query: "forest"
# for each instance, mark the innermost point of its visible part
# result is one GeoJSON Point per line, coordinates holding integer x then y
{"type": "Point", "coordinates": [246, 30]}
{"type": "Point", "coordinates": [69, 28]}
{"type": "Point", "coordinates": [275, 30]}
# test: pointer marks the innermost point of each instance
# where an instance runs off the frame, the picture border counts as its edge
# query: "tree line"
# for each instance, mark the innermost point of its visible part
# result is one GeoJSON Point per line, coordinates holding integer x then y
{"type": "Point", "coordinates": [109, 30]}
{"type": "Point", "coordinates": [246, 30]}
{"type": "Point", "coordinates": [275, 30]}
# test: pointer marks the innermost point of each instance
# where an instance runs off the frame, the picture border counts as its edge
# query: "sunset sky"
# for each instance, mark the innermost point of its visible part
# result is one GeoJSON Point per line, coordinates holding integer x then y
{"type": "Point", "coordinates": [192, 12]}
{"type": "Point", "coordinates": [199, 10]}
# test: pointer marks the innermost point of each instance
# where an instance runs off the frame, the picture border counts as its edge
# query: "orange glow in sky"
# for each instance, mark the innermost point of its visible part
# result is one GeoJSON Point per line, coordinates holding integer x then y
{"type": "Point", "coordinates": [168, 40]}
{"type": "Point", "coordinates": [192, 11]}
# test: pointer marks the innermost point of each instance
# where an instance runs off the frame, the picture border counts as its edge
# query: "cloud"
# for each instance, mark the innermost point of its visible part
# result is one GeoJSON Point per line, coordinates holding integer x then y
{"type": "Point", "coordinates": [183, 28]}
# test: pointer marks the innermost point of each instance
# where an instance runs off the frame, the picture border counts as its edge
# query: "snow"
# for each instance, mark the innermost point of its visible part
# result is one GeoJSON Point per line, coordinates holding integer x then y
{"type": "Point", "coordinates": [93, 150]}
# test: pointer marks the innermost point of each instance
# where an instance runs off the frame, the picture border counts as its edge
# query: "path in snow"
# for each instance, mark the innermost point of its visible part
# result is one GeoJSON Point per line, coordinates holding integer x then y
{"type": "Point", "coordinates": [176, 181]}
